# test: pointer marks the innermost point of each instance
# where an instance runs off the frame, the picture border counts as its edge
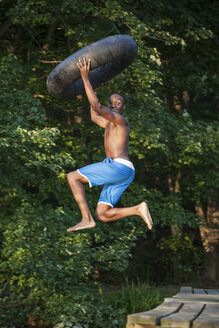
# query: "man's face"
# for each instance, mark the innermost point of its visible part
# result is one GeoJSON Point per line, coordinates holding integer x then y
{"type": "Point", "coordinates": [116, 103]}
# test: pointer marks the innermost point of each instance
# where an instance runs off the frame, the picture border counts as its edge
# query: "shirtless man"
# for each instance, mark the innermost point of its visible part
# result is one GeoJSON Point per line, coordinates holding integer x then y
{"type": "Point", "coordinates": [116, 172]}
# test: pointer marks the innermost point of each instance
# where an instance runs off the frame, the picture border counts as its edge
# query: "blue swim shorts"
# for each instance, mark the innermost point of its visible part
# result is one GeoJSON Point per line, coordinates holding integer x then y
{"type": "Point", "coordinates": [113, 174]}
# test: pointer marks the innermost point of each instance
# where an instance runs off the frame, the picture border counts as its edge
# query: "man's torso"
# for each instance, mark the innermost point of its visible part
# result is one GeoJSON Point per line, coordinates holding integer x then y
{"type": "Point", "coordinates": [116, 140]}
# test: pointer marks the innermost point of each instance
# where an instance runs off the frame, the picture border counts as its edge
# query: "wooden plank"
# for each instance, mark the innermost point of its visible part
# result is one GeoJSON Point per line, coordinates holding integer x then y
{"type": "Point", "coordinates": [199, 291]}
{"type": "Point", "coordinates": [184, 310]}
{"type": "Point", "coordinates": [209, 318]}
{"type": "Point", "coordinates": [153, 317]}
{"type": "Point", "coordinates": [130, 325]}
{"type": "Point", "coordinates": [184, 317]}
{"type": "Point", "coordinates": [206, 298]}
{"type": "Point", "coordinates": [145, 326]}
{"type": "Point", "coordinates": [212, 291]}
{"type": "Point", "coordinates": [185, 290]}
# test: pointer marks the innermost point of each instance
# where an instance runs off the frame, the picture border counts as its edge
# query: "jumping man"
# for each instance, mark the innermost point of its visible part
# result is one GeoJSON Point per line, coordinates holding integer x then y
{"type": "Point", "coordinates": [116, 172]}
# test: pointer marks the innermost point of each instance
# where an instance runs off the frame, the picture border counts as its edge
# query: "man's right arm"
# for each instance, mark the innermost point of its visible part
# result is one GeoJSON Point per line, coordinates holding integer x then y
{"type": "Point", "coordinates": [97, 118]}
{"type": "Point", "coordinates": [102, 114]}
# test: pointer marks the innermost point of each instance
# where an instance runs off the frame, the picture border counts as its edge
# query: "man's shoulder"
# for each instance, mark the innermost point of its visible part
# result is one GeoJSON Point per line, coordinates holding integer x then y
{"type": "Point", "coordinates": [122, 118]}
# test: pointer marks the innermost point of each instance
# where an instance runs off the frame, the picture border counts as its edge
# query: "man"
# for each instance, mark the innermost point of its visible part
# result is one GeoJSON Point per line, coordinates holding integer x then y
{"type": "Point", "coordinates": [116, 172]}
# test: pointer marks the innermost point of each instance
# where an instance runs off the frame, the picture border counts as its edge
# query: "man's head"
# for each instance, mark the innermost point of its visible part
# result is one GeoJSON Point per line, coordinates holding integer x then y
{"type": "Point", "coordinates": [117, 103]}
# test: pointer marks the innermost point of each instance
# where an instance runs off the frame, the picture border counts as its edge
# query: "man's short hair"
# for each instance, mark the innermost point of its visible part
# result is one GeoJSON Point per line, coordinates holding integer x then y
{"type": "Point", "coordinates": [119, 94]}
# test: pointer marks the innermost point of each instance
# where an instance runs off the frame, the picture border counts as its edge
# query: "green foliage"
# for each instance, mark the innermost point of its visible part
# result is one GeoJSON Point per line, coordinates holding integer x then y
{"type": "Point", "coordinates": [139, 298]}
{"type": "Point", "coordinates": [132, 298]}
{"type": "Point", "coordinates": [176, 259]}
{"type": "Point", "coordinates": [81, 307]}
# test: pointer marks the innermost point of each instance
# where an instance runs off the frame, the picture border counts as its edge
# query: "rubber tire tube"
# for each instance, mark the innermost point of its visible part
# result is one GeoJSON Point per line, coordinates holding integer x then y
{"type": "Point", "coordinates": [109, 57]}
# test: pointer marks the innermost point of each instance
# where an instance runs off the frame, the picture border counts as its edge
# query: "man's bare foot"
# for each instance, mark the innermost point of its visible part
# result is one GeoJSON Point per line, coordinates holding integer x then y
{"type": "Point", "coordinates": [145, 214]}
{"type": "Point", "coordinates": [82, 225]}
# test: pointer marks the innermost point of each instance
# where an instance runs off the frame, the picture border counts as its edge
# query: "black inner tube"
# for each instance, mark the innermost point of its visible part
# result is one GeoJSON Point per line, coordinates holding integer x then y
{"type": "Point", "coordinates": [97, 77]}
{"type": "Point", "coordinates": [109, 57]}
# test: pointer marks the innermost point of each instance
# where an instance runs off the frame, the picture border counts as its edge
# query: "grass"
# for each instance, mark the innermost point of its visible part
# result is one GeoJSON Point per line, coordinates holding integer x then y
{"type": "Point", "coordinates": [136, 297]}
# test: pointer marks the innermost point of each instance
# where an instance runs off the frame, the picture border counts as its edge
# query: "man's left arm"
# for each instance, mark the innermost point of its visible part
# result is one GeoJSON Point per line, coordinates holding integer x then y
{"type": "Point", "coordinates": [101, 110]}
{"type": "Point", "coordinates": [84, 68]}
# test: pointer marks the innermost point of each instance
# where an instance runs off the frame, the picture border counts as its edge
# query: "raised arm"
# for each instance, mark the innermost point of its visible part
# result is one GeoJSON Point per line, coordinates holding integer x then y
{"type": "Point", "coordinates": [99, 113]}
{"type": "Point", "coordinates": [97, 118]}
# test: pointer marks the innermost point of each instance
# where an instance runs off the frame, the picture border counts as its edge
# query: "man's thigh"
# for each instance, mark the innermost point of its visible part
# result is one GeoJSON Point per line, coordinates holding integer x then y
{"type": "Point", "coordinates": [75, 175]}
{"type": "Point", "coordinates": [106, 172]}
{"type": "Point", "coordinates": [112, 193]}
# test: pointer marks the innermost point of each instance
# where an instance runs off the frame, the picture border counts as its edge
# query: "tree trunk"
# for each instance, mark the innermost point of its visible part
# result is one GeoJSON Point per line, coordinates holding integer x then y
{"type": "Point", "coordinates": [50, 34]}
{"type": "Point", "coordinates": [174, 186]}
{"type": "Point", "coordinates": [210, 239]}
{"type": "Point", "coordinates": [4, 27]}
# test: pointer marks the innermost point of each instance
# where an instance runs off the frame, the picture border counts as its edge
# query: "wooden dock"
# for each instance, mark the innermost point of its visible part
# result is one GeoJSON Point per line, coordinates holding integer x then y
{"type": "Point", "coordinates": [190, 308]}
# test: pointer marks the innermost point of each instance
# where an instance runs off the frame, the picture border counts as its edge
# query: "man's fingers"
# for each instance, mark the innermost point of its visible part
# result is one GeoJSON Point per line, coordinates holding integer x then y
{"type": "Point", "coordinates": [79, 64]}
{"type": "Point", "coordinates": [84, 64]}
{"type": "Point", "coordinates": [88, 65]}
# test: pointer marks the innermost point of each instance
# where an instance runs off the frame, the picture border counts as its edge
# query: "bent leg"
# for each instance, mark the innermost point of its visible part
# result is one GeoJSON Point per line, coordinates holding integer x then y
{"type": "Point", "coordinates": [76, 181]}
{"type": "Point", "coordinates": [106, 213]}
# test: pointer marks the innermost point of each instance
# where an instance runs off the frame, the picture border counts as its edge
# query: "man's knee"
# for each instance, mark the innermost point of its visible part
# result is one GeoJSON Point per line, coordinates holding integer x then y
{"type": "Point", "coordinates": [75, 176]}
{"type": "Point", "coordinates": [102, 212]}
{"type": "Point", "coordinates": [72, 176]}
{"type": "Point", "coordinates": [100, 215]}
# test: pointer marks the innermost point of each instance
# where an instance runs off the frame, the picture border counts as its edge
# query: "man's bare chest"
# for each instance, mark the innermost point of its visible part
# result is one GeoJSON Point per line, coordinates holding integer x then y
{"type": "Point", "coordinates": [111, 130]}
